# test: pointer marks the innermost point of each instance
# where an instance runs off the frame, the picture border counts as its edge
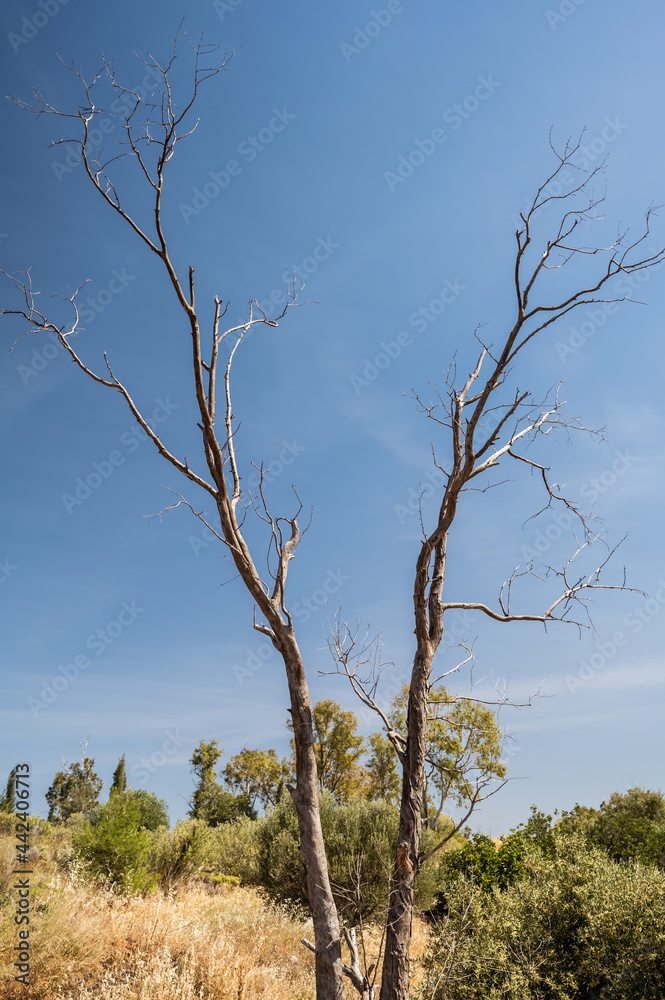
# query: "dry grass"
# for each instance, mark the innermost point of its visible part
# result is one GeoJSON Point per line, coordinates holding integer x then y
{"type": "Point", "coordinates": [195, 944]}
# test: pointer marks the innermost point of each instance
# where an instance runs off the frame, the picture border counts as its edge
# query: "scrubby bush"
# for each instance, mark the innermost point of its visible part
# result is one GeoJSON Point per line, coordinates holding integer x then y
{"type": "Point", "coordinates": [484, 864]}
{"type": "Point", "coordinates": [576, 925]}
{"type": "Point", "coordinates": [360, 838]}
{"type": "Point", "coordinates": [233, 849]}
{"type": "Point", "coordinates": [193, 847]}
{"type": "Point", "coordinates": [179, 853]}
{"type": "Point", "coordinates": [114, 847]}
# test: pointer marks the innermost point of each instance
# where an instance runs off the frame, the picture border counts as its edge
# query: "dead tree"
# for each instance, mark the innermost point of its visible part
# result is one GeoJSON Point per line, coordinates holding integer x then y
{"type": "Point", "coordinates": [152, 129]}
{"type": "Point", "coordinates": [462, 413]}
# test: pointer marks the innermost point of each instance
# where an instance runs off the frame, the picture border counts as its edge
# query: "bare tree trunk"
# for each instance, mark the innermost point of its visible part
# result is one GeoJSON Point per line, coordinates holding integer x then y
{"type": "Point", "coordinates": [396, 961]}
{"type": "Point", "coordinates": [151, 143]}
{"type": "Point", "coordinates": [328, 948]}
{"type": "Point", "coordinates": [519, 420]}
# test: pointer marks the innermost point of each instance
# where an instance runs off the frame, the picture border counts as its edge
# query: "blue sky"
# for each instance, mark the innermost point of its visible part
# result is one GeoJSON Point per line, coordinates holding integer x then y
{"type": "Point", "coordinates": [318, 108]}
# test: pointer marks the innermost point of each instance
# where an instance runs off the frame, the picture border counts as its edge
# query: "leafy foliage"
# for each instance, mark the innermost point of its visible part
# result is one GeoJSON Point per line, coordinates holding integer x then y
{"type": "Point", "coordinates": [210, 801]}
{"type": "Point", "coordinates": [629, 826]}
{"type": "Point", "coordinates": [382, 778]}
{"type": "Point", "coordinates": [119, 783]}
{"type": "Point", "coordinates": [8, 800]}
{"type": "Point", "coordinates": [360, 838]}
{"type": "Point", "coordinates": [538, 831]}
{"type": "Point", "coordinates": [338, 749]}
{"type": "Point", "coordinates": [74, 790]}
{"type": "Point", "coordinates": [192, 847]}
{"type": "Point", "coordinates": [114, 847]}
{"type": "Point", "coordinates": [179, 853]}
{"type": "Point", "coordinates": [576, 925]}
{"type": "Point", "coordinates": [257, 775]}
{"type": "Point", "coordinates": [153, 812]}
{"type": "Point", "coordinates": [632, 827]}
{"type": "Point", "coordinates": [485, 864]}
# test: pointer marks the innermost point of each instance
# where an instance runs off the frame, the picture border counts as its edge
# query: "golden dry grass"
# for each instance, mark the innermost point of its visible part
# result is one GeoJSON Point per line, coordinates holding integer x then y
{"type": "Point", "coordinates": [196, 944]}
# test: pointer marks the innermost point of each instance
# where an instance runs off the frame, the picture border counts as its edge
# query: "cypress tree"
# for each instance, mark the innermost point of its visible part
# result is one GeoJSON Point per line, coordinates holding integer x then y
{"type": "Point", "coordinates": [119, 777]}
{"type": "Point", "coordinates": [8, 800]}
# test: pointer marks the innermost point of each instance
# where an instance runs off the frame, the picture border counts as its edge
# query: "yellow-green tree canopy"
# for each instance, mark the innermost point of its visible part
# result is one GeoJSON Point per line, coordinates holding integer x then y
{"type": "Point", "coordinates": [256, 774]}
{"type": "Point", "coordinates": [464, 745]}
{"type": "Point", "coordinates": [338, 749]}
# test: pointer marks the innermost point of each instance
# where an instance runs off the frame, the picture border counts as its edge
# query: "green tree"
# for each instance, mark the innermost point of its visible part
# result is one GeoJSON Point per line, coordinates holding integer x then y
{"type": "Point", "coordinates": [485, 863]}
{"type": "Point", "coordinates": [359, 837]}
{"type": "Point", "coordinates": [464, 746]}
{"type": "Point", "coordinates": [381, 767]}
{"type": "Point", "coordinates": [210, 801]}
{"type": "Point", "coordinates": [119, 783]}
{"type": "Point", "coordinates": [114, 847]}
{"type": "Point", "coordinates": [75, 789]}
{"type": "Point", "coordinates": [580, 819]}
{"type": "Point", "coordinates": [8, 800]}
{"type": "Point", "coordinates": [203, 761]}
{"type": "Point", "coordinates": [538, 831]}
{"type": "Point", "coordinates": [637, 803]}
{"type": "Point", "coordinates": [153, 812]}
{"type": "Point", "coordinates": [338, 749]}
{"type": "Point", "coordinates": [629, 826]}
{"type": "Point", "coordinates": [256, 774]}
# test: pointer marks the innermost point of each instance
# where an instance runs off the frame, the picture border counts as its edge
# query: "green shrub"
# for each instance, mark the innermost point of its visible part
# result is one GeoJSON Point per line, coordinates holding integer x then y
{"type": "Point", "coordinates": [233, 849]}
{"type": "Point", "coordinates": [114, 848]}
{"type": "Point", "coordinates": [179, 853]}
{"type": "Point", "coordinates": [482, 864]}
{"type": "Point", "coordinates": [577, 925]}
{"type": "Point", "coordinates": [153, 811]}
{"type": "Point", "coordinates": [360, 838]}
{"type": "Point", "coordinates": [629, 838]}
{"type": "Point", "coordinates": [230, 849]}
